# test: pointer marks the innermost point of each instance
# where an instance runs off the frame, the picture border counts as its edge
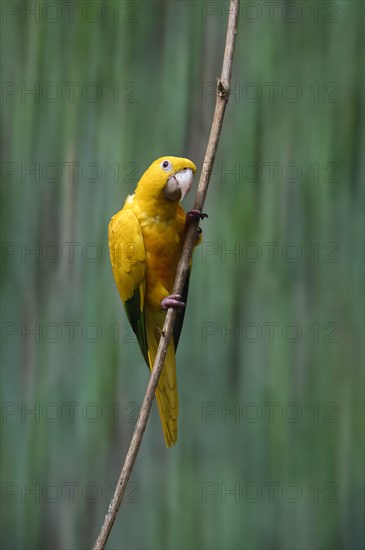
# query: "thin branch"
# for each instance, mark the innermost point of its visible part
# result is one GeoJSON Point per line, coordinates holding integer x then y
{"type": "Point", "coordinates": [223, 85]}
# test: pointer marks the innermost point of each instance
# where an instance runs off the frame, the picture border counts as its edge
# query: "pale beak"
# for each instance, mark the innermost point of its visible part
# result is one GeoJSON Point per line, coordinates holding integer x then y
{"type": "Point", "coordinates": [178, 185]}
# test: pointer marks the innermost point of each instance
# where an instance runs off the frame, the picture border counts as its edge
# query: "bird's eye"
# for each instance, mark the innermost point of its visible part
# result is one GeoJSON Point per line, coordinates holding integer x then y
{"type": "Point", "coordinates": [166, 165]}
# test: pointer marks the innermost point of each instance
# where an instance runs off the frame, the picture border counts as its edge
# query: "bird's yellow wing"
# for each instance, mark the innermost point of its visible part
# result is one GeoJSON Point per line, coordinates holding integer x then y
{"type": "Point", "coordinates": [128, 259]}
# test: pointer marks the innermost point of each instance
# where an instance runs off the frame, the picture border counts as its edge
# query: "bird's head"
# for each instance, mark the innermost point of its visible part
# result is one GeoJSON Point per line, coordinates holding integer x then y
{"type": "Point", "coordinates": [169, 178]}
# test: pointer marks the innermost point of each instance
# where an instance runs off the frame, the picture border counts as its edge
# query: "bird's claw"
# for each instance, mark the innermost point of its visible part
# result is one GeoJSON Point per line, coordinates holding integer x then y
{"type": "Point", "coordinates": [173, 300]}
{"type": "Point", "coordinates": [195, 215]}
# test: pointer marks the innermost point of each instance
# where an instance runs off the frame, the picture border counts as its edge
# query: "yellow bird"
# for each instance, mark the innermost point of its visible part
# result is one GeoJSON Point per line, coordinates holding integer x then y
{"type": "Point", "coordinates": [145, 243]}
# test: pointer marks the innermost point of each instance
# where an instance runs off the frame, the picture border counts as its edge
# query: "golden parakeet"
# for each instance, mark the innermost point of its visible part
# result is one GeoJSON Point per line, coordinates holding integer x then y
{"type": "Point", "coordinates": [145, 243]}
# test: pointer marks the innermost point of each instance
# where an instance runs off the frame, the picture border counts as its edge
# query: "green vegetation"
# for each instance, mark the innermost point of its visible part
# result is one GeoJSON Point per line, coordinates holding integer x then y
{"type": "Point", "coordinates": [274, 410]}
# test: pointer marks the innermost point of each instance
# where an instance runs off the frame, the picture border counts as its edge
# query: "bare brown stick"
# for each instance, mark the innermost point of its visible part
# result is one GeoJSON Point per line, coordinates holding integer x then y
{"type": "Point", "coordinates": [223, 85]}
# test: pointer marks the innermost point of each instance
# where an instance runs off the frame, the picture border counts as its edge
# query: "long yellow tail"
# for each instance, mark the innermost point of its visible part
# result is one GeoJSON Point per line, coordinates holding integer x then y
{"type": "Point", "coordinates": [166, 393]}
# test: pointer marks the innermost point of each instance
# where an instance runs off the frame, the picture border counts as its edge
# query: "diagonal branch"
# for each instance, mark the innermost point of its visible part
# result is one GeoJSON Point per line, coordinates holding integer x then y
{"type": "Point", "coordinates": [223, 85]}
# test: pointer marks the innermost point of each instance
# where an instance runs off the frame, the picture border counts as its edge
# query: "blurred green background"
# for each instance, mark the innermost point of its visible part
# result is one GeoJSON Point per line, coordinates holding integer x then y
{"type": "Point", "coordinates": [270, 372]}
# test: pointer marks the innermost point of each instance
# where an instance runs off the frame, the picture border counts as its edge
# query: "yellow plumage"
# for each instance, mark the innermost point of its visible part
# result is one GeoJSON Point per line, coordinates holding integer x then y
{"type": "Point", "coordinates": [145, 242]}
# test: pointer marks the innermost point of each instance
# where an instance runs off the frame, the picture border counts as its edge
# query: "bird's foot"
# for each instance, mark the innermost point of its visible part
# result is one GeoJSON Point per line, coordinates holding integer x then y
{"type": "Point", "coordinates": [195, 215]}
{"type": "Point", "coordinates": [174, 300]}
